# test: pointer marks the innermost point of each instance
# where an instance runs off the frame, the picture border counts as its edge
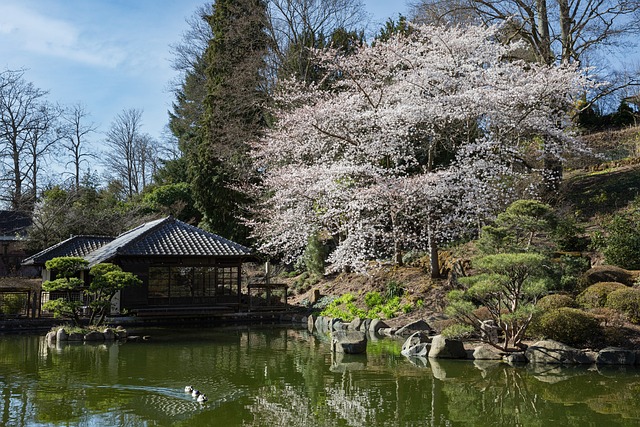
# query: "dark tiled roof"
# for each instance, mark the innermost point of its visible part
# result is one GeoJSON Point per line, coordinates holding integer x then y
{"type": "Point", "coordinates": [13, 223]}
{"type": "Point", "coordinates": [167, 237]}
{"type": "Point", "coordinates": [74, 246]}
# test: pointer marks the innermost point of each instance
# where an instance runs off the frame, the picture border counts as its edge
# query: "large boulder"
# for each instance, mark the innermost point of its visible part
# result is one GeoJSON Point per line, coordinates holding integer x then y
{"type": "Point", "coordinates": [355, 324]}
{"type": "Point", "coordinates": [486, 352]}
{"type": "Point", "coordinates": [109, 334]}
{"type": "Point", "coordinates": [311, 322]}
{"type": "Point", "coordinates": [417, 326]}
{"type": "Point", "coordinates": [376, 325]}
{"type": "Point", "coordinates": [349, 342]}
{"type": "Point", "coordinates": [554, 352]}
{"type": "Point", "coordinates": [76, 336]}
{"type": "Point", "coordinates": [61, 335]}
{"type": "Point", "coordinates": [51, 337]}
{"type": "Point", "coordinates": [418, 344]}
{"type": "Point", "coordinates": [615, 356]}
{"type": "Point", "coordinates": [94, 336]}
{"type": "Point", "coordinates": [444, 348]}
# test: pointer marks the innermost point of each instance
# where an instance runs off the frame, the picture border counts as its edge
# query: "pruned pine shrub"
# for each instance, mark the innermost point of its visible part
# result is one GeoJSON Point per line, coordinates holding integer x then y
{"type": "Point", "coordinates": [568, 325]}
{"type": "Point", "coordinates": [627, 301]}
{"type": "Point", "coordinates": [595, 296]}
{"type": "Point", "coordinates": [553, 301]}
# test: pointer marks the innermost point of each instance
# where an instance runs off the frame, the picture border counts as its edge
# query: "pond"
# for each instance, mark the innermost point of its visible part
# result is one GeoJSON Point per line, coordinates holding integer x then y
{"type": "Point", "coordinates": [270, 376]}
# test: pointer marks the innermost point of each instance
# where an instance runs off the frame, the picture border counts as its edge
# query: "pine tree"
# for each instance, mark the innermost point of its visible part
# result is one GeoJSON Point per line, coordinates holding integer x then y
{"type": "Point", "coordinates": [233, 113]}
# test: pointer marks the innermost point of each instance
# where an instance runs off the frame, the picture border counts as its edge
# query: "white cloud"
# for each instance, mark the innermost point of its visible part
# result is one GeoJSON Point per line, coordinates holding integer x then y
{"type": "Point", "coordinates": [33, 32]}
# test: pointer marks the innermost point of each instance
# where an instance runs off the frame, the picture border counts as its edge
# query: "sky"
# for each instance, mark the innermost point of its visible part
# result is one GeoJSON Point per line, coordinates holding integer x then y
{"type": "Point", "coordinates": [109, 55]}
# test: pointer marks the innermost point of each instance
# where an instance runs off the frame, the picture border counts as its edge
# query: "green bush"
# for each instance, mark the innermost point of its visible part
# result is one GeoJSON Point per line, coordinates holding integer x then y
{"type": "Point", "coordinates": [457, 331]}
{"type": "Point", "coordinates": [569, 326]}
{"type": "Point", "coordinates": [373, 299]}
{"type": "Point", "coordinates": [394, 289]}
{"type": "Point", "coordinates": [554, 301]}
{"type": "Point", "coordinates": [622, 241]}
{"type": "Point", "coordinates": [627, 301]}
{"type": "Point", "coordinates": [595, 296]}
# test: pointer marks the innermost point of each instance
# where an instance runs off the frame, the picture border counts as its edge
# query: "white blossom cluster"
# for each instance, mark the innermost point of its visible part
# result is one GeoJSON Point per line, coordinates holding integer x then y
{"type": "Point", "coordinates": [357, 158]}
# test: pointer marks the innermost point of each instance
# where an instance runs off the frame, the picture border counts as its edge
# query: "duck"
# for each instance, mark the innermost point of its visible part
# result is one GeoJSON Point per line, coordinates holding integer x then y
{"type": "Point", "coordinates": [195, 393]}
{"type": "Point", "coordinates": [188, 389]}
{"type": "Point", "coordinates": [202, 398]}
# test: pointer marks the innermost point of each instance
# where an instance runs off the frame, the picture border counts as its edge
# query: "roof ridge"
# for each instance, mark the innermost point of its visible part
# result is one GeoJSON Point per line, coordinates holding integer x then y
{"type": "Point", "coordinates": [200, 230]}
{"type": "Point", "coordinates": [63, 242]}
{"type": "Point", "coordinates": [160, 221]}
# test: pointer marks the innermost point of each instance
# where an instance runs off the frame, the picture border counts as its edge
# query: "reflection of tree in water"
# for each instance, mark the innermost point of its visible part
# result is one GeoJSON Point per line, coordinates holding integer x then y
{"type": "Point", "coordinates": [532, 396]}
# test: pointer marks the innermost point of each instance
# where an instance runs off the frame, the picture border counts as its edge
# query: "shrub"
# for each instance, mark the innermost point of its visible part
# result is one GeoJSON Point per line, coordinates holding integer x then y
{"type": "Point", "coordinates": [394, 289]}
{"type": "Point", "coordinates": [568, 325]}
{"type": "Point", "coordinates": [595, 296]}
{"type": "Point", "coordinates": [623, 238]}
{"type": "Point", "coordinates": [554, 301]}
{"type": "Point", "coordinates": [457, 331]}
{"type": "Point", "coordinates": [373, 299]}
{"type": "Point", "coordinates": [344, 308]}
{"type": "Point", "coordinates": [627, 301]}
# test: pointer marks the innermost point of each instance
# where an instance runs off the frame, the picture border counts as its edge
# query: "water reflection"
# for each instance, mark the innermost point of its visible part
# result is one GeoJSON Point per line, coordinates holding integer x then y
{"type": "Point", "coordinates": [264, 377]}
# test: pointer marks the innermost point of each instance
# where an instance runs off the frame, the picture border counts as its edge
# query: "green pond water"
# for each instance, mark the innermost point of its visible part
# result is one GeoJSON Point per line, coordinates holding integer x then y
{"type": "Point", "coordinates": [272, 376]}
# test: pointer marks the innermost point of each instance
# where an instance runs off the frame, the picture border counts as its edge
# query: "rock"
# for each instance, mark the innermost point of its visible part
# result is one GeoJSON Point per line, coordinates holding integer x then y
{"type": "Point", "coordinates": [615, 356]}
{"type": "Point", "coordinates": [489, 331]}
{"type": "Point", "coordinates": [303, 320]}
{"type": "Point", "coordinates": [321, 324]}
{"type": "Point", "coordinates": [416, 345]}
{"type": "Point", "coordinates": [121, 333]}
{"type": "Point", "coordinates": [94, 336]}
{"type": "Point", "coordinates": [311, 322]}
{"type": "Point", "coordinates": [315, 297]}
{"type": "Point", "coordinates": [146, 337]}
{"type": "Point", "coordinates": [349, 342]}
{"type": "Point", "coordinates": [419, 325]}
{"type": "Point", "coordinates": [550, 351]}
{"type": "Point", "coordinates": [109, 334]}
{"type": "Point", "coordinates": [337, 325]}
{"type": "Point", "coordinates": [443, 348]}
{"type": "Point", "coordinates": [355, 324]}
{"type": "Point", "coordinates": [364, 327]}
{"type": "Point", "coordinates": [134, 338]}
{"type": "Point", "coordinates": [486, 352]}
{"type": "Point", "coordinates": [515, 358]}
{"type": "Point", "coordinates": [387, 332]}
{"type": "Point", "coordinates": [61, 335]}
{"type": "Point", "coordinates": [51, 337]}
{"type": "Point", "coordinates": [76, 336]}
{"type": "Point", "coordinates": [376, 324]}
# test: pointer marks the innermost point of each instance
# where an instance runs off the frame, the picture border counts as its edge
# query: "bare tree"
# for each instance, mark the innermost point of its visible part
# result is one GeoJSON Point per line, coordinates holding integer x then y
{"type": "Point", "coordinates": [131, 153]}
{"type": "Point", "coordinates": [556, 30]}
{"type": "Point", "coordinates": [74, 132]}
{"type": "Point", "coordinates": [24, 117]}
{"type": "Point", "coordinates": [43, 139]}
{"type": "Point", "coordinates": [297, 25]}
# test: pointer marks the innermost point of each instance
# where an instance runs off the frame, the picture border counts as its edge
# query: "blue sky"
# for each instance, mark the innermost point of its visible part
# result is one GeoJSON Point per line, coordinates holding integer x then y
{"type": "Point", "coordinates": [109, 55]}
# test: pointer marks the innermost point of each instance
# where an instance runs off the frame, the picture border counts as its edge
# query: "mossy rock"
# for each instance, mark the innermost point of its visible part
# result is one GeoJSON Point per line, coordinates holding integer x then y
{"type": "Point", "coordinates": [595, 296]}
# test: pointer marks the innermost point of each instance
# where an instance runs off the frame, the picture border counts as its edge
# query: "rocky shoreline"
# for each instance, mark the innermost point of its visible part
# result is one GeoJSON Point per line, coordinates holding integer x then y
{"type": "Point", "coordinates": [421, 341]}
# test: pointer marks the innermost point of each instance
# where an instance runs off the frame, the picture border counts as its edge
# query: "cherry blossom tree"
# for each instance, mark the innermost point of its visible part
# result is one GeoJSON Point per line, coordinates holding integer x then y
{"type": "Point", "coordinates": [406, 144]}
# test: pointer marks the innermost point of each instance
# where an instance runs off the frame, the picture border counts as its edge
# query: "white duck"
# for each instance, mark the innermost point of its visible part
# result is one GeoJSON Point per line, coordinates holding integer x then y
{"type": "Point", "coordinates": [195, 393]}
{"type": "Point", "coordinates": [188, 389]}
{"type": "Point", "coordinates": [202, 398]}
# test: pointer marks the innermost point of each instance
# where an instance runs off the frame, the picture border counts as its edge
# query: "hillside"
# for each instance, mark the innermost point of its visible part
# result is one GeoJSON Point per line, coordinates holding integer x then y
{"type": "Point", "coordinates": [594, 186]}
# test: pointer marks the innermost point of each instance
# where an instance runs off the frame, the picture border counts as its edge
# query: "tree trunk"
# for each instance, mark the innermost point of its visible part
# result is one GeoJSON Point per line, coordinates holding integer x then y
{"type": "Point", "coordinates": [545, 52]}
{"type": "Point", "coordinates": [565, 31]}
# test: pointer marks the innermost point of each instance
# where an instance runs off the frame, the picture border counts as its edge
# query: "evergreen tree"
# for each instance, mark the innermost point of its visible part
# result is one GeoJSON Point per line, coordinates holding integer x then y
{"type": "Point", "coordinates": [232, 115]}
